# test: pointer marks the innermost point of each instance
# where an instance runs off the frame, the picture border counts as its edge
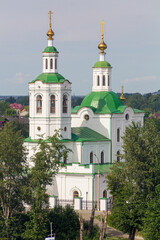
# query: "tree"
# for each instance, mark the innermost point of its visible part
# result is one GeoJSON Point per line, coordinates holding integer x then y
{"type": "Point", "coordinates": [46, 163]}
{"type": "Point", "coordinates": [151, 230]}
{"type": "Point", "coordinates": [133, 182]}
{"type": "Point", "coordinates": [13, 169]}
{"type": "Point", "coordinates": [11, 100]}
{"type": "Point", "coordinates": [10, 112]}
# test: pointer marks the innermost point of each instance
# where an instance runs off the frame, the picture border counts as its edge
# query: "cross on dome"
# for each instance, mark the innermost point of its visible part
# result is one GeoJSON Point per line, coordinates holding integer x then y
{"type": "Point", "coordinates": [50, 33]}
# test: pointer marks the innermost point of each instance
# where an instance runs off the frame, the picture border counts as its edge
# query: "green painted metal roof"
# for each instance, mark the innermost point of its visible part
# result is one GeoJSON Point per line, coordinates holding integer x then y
{"type": "Point", "coordinates": [50, 78]}
{"type": "Point", "coordinates": [102, 102]}
{"type": "Point", "coordinates": [84, 134]}
{"type": "Point", "coordinates": [79, 134]}
{"type": "Point", "coordinates": [102, 64]}
{"type": "Point", "coordinates": [103, 168]}
{"type": "Point", "coordinates": [50, 50]}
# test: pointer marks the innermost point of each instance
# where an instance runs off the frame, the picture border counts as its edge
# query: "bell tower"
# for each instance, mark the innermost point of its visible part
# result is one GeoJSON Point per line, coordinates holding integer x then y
{"type": "Point", "coordinates": [102, 69]}
{"type": "Point", "coordinates": [50, 97]}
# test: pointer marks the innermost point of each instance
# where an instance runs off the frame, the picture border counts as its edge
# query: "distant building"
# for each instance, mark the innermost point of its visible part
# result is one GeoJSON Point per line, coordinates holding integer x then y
{"type": "Point", "coordinates": [16, 106]}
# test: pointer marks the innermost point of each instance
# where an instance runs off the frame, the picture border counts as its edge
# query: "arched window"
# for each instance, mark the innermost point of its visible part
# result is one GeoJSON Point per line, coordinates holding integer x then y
{"type": "Point", "coordinates": [39, 104]}
{"type": "Point", "coordinates": [108, 81]}
{"type": "Point", "coordinates": [65, 104]}
{"type": "Point", "coordinates": [102, 157]}
{"type": "Point", "coordinates": [51, 63]}
{"type": "Point", "coordinates": [118, 156]}
{"type": "Point", "coordinates": [56, 63]}
{"type": "Point", "coordinates": [104, 81]}
{"type": "Point", "coordinates": [105, 194]}
{"type": "Point", "coordinates": [91, 157]}
{"type": "Point", "coordinates": [46, 63]}
{"type": "Point", "coordinates": [98, 83]}
{"type": "Point", "coordinates": [75, 194]}
{"type": "Point", "coordinates": [118, 135]}
{"type": "Point", "coordinates": [52, 104]}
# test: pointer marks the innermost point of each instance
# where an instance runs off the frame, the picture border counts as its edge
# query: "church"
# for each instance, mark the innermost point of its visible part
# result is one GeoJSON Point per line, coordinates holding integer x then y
{"type": "Point", "coordinates": [92, 130]}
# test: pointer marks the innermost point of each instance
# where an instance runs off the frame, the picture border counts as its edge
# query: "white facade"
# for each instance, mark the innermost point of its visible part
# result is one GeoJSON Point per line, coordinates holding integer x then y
{"type": "Point", "coordinates": [105, 127]}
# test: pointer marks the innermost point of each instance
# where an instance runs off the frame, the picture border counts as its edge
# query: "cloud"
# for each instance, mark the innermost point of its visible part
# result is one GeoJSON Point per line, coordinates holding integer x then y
{"type": "Point", "coordinates": [140, 79]}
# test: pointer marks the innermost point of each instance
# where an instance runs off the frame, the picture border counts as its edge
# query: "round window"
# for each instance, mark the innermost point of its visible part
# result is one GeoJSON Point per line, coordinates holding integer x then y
{"type": "Point", "coordinates": [38, 128]}
{"type": "Point", "coordinates": [86, 117]}
{"type": "Point", "coordinates": [127, 116]}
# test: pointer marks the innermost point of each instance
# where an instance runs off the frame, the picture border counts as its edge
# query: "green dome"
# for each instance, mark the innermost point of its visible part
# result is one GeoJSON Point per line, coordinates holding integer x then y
{"type": "Point", "coordinates": [102, 102]}
{"type": "Point", "coordinates": [102, 64]}
{"type": "Point", "coordinates": [50, 78]}
{"type": "Point", "coordinates": [50, 50]}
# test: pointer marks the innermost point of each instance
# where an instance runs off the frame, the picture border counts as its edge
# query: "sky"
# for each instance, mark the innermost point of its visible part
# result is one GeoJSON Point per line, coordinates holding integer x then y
{"type": "Point", "coordinates": [131, 32]}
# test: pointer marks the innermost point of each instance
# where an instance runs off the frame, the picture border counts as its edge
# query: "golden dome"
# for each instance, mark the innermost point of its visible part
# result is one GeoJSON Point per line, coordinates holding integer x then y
{"type": "Point", "coordinates": [50, 34]}
{"type": "Point", "coordinates": [102, 46]}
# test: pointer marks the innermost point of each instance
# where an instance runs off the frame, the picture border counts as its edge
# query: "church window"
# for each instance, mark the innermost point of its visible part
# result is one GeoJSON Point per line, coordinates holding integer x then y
{"type": "Point", "coordinates": [91, 157]}
{"type": "Point", "coordinates": [55, 63]}
{"type": "Point", "coordinates": [86, 117]}
{"type": "Point", "coordinates": [65, 104]}
{"type": "Point", "coordinates": [102, 157]}
{"type": "Point", "coordinates": [46, 63]}
{"type": "Point", "coordinates": [104, 80]}
{"type": "Point", "coordinates": [75, 194]}
{"type": "Point", "coordinates": [39, 104]}
{"type": "Point", "coordinates": [118, 135]}
{"type": "Point", "coordinates": [127, 116]}
{"type": "Point", "coordinates": [51, 63]}
{"type": "Point", "coordinates": [118, 156]}
{"type": "Point", "coordinates": [52, 104]}
{"type": "Point", "coordinates": [105, 194]}
{"type": "Point", "coordinates": [98, 83]}
{"type": "Point", "coordinates": [108, 81]}
{"type": "Point", "coordinates": [65, 129]}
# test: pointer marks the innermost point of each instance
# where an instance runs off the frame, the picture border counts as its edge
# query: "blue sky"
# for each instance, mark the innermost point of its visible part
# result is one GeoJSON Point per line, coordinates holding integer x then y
{"type": "Point", "coordinates": [132, 33]}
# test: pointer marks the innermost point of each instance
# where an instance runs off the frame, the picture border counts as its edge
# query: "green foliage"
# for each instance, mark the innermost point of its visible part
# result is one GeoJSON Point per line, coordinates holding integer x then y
{"type": "Point", "coordinates": [22, 127]}
{"type": "Point", "coordinates": [23, 100]}
{"type": "Point", "coordinates": [134, 181]}
{"type": "Point", "coordinates": [65, 222]}
{"type": "Point", "coordinates": [10, 112]}
{"type": "Point", "coordinates": [46, 163]}
{"type": "Point", "coordinates": [148, 102]}
{"type": "Point", "coordinates": [95, 232]}
{"type": "Point", "coordinates": [11, 100]}
{"type": "Point", "coordinates": [12, 173]}
{"type": "Point", "coordinates": [151, 230]}
{"type": "Point", "coordinates": [3, 106]}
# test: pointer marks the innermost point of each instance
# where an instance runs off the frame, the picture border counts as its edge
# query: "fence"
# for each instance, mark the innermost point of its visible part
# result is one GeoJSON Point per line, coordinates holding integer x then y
{"type": "Point", "coordinates": [86, 205]}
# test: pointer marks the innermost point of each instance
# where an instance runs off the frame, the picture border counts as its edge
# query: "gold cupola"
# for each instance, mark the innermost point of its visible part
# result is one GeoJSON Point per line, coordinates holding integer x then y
{"type": "Point", "coordinates": [102, 46]}
{"type": "Point", "coordinates": [50, 33]}
{"type": "Point", "coordinates": [122, 97]}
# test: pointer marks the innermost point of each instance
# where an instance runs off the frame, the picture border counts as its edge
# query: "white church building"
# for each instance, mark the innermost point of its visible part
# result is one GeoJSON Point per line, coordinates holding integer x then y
{"type": "Point", "coordinates": [92, 130]}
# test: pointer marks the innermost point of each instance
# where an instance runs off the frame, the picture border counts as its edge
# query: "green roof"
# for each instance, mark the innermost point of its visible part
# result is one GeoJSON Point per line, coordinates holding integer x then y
{"type": "Point", "coordinates": [103, 168]}
{"type": "Point", "coordinates": [84, 134]}
{"type": "Point", "coordinates": [102, 102]}
{"type": "Point", "coordinates": [50, 50]}
{"type": "Point", "coordinates": [102, 64]}
{"type": "Point", "coordinates": [50, 78]}
{"type": "Point", "coordinates": [79, 134]}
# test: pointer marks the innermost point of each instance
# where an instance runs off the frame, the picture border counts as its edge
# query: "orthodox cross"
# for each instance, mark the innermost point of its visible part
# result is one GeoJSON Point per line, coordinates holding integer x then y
{"type": "Point", "coordinates": [50, 17]}
{"type": "Point", "coordinates": [102, 26]}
